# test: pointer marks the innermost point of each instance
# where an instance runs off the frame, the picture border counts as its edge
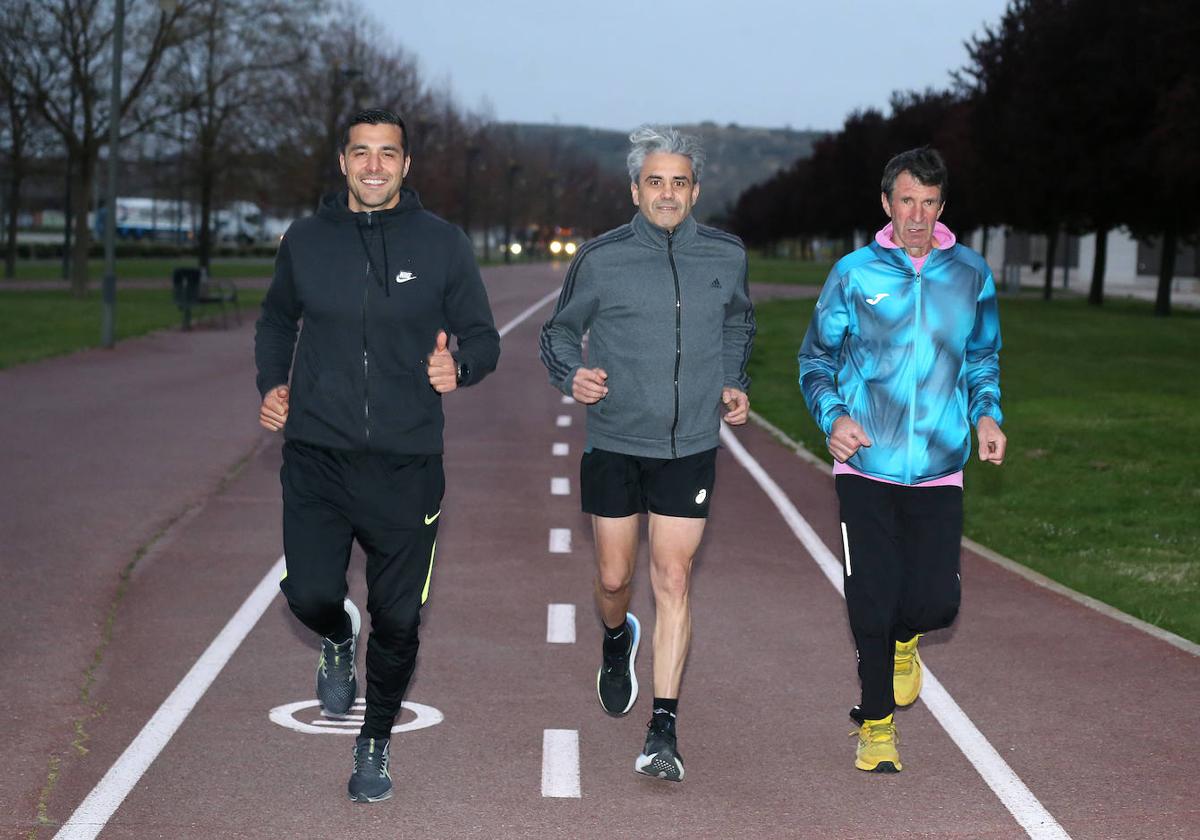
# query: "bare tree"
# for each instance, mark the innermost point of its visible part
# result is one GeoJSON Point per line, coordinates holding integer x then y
{"type": "Point", "coordinates": [70, 48]}
{"type": "Point", "coordinates": [241, 50]}
{"type": "Point", "coordinates": [18, 116]}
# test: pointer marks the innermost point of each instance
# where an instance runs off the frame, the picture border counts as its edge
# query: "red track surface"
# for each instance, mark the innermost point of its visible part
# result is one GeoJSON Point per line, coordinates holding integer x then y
{"type": "Point", "coordinates": [148, 459]}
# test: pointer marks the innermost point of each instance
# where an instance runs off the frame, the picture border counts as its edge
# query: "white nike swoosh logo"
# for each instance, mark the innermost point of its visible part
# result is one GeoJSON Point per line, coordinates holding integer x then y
{"type": "Point", "coordinates": [429, 519]}
{"type": "Point", "coordinates": [405, 276]}
{"type": "Point", "coordinates": [877, 298]}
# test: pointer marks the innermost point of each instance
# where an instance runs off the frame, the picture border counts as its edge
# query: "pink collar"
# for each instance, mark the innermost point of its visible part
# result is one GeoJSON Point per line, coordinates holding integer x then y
{"type": "Point", "coordinates": [943, 237]}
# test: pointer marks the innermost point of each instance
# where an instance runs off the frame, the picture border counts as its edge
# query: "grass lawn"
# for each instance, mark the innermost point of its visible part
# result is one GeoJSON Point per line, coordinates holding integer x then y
{"type": "Point", "coordinates": [38, 324]}
{"type": "Point", "coordinates": [1101, 487]}
{"type": "Point", "coordinates": [159, 268]}
{"type": "Point", "coordinates": [778, 270]}
{"type": "Point", "coordinates": [147, 268]}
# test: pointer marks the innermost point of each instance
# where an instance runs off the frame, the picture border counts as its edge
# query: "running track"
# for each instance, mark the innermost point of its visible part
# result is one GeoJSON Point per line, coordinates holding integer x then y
{"type": "Point", "coordinates": [146, 644]}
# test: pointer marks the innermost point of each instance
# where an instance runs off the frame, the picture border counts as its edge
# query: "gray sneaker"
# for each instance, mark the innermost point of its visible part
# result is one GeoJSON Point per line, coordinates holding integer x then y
{"type": "Point", "coordinates": [337, 682]}
{"type": "Point", "coordinates": [660, 757]}
{"type": "Point", "coordinates": [371, 781]}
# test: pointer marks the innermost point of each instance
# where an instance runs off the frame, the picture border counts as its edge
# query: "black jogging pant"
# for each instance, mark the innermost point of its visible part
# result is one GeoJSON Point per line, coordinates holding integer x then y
{"type": "Point", "coordinates": [391, 505]}
{"type": "Point", "coordinates": [901, 572]}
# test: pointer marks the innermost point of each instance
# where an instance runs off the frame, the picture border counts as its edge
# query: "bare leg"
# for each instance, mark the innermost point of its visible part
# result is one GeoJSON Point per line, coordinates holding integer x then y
{"type": "Point", "coordinates": [673, 543]}
{"type": "Point", "coordinates": [616, 552]}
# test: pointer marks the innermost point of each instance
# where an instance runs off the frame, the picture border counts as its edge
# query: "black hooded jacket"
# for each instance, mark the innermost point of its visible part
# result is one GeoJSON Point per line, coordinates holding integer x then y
{"type": "Point", "coordinates": [372, 290]}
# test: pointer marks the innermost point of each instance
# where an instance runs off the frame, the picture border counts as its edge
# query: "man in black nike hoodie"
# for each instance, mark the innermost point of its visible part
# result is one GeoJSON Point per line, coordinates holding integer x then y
{"type": "Point", "coordinates": [379, 284]}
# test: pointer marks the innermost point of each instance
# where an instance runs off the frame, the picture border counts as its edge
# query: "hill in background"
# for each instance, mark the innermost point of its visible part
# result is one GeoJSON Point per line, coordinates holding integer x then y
{"type": "Point", "coordinates": [738, 157]}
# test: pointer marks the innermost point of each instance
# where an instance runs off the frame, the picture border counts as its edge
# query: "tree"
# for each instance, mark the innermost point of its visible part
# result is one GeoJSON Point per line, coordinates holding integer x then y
{"type": "Point", "coordinates": [241, 51]}
{"type": "Point", "coordinates": [70, 48]}
{"type": "Point", "coordinates": [18, 116]}
{"type": "Point", "coordinates": [1165, 205]}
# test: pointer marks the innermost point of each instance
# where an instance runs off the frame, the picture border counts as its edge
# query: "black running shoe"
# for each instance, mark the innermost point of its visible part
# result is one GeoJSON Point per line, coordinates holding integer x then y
{"type": "Point", "coordinates": [659, 757]}
{"type": "Point", "coordinates": [337, 684]}
{"type": "Point", "coordinates": [616, 683]}
{"type": "Point", "coordinates": [371, 781]}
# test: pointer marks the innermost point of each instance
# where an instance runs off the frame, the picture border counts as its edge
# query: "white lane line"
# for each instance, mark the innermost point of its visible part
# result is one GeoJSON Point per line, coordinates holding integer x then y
{"type": "Point", "coordinates": [560, 486]}
{"type": "Point", "coordinates": [1009, 789]}
{"type": "Point", "coordinates": [567, 400]}
{"type": "Point", "coordinates": [560, 540]}
{"type": "Point", "coordinates": [560, 747]}
{"type": "Point", "coordinates": [560, 763]}
{"type": "Point", "coordinates": [529, 310]}
{"type": "Point", "coordinates": [560, 449]}
{"type": "Point", "coordinates": [560, 624]}
{"type": "Point", "coordinates": [563, 421]}
{"type": "Point", "coordinates": [94, 812]}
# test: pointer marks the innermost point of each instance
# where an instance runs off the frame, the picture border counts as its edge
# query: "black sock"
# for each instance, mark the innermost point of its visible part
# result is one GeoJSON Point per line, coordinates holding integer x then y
{"type": "Point", "coordinates": [665, 709]}
{"type": "Point", "coordinates": [615, 640]}
{"type": "Point", "coordinates": [614, 633]}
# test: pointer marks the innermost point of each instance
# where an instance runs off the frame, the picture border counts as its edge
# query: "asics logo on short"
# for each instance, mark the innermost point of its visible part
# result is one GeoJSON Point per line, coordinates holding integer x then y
{"type": "Point", "coordinates": [405, 276]}
{"type": "Point", "coordinates": [877, 298]}
{"type": "Point", "coordinates": [429, 519]}
{"type": "Point", "coordinates": [701, 496]}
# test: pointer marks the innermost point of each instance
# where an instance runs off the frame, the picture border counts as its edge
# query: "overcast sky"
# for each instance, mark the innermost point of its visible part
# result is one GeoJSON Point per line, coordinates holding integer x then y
{"type": "Point", "coordinates": [615, 64]}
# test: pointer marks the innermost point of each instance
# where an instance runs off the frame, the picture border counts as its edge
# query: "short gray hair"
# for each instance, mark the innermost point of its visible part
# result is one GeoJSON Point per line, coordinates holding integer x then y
{"type": "Point", "coordinates": [655, 139]}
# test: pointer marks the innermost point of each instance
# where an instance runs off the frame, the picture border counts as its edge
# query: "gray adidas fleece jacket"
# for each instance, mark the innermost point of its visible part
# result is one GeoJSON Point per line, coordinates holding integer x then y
{"type": "Point", "coordinates": [669, 319]}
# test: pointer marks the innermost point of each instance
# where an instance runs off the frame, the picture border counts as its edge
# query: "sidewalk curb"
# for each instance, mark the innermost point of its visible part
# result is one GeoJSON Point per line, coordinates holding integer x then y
{"type": "Point", "coordinates": [1011, 565]}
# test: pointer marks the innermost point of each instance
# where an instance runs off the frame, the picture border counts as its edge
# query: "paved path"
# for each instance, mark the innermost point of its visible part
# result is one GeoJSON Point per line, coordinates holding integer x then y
{"type": "Point", "coordinates": [141, 509]}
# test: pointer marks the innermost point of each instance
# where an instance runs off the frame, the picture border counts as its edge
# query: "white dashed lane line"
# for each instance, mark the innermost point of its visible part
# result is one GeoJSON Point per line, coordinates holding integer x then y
{"type": "Point", "coordinates": [560, 486]}
{"type": "Point", "coordinates": [560, 763]}
{"type": "Point", "coordinates": [560, 624]}
{"type": "Point", "coordinates": [567, 400]}
{"type": "Point", "coordinates": [560, 540]}
{"type": "Point", "coordinates": [560, 449]}
{"type": "Point", "coordinates": [563, 421]}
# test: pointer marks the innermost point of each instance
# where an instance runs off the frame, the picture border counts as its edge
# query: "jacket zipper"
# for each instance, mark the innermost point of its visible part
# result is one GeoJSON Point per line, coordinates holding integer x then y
{"type": "Point", "coordinates": [678, 338]}
{"type": "Point", "coordinates": [366, 379]}
{"type": "Point", "coordinates": [912, 400]}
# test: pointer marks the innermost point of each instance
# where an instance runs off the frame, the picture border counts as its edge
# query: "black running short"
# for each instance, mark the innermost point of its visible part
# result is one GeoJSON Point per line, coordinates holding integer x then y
{"type": "Point", "coordinates": [614, 484]}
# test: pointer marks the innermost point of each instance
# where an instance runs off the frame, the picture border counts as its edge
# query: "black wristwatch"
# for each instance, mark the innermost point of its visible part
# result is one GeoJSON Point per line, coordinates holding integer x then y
{"type": "Point", "coordinates": [461, 372]}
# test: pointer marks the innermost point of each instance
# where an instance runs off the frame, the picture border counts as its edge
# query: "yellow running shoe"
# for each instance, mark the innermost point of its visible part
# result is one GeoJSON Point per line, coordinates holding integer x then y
{"type": "Point", "coordinates": [877, 751]}
{"type": "Point", "coordinates": [906, 673]}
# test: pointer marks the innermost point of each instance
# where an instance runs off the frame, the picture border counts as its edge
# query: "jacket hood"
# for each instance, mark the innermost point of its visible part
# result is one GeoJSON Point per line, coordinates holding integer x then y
{"type": "Point", "coordinates": [335, 208]}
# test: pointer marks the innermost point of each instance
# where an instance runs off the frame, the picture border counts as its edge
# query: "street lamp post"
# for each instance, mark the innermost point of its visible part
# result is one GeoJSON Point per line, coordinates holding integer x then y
{"type": "Point", "coordinates": [108, 321]}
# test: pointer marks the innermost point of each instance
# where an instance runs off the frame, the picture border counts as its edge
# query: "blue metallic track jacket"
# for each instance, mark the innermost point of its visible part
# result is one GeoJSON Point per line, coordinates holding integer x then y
{"type": "Point", "coordinates": [913, 357]}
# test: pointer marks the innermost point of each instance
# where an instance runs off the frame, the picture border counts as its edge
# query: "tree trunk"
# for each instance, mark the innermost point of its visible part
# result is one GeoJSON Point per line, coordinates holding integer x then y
{"type": "Point", "coordinates": [14, 203]}
{"type": "Point", "coordinates": [1099, 265]}
{"type": "Point", "coordinates": [81, 196]}
{"type": "Point", "coordinates": [1166, 273]}
{"type": "Point", "coordinates": [983, 242]}
{"type": "Point", "coordinates": [1051, 251]}
{"type": "Point", "coordinates": [207, 185]}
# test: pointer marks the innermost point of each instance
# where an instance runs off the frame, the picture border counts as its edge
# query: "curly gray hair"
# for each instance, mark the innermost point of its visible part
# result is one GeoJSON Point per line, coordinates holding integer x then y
{"type": "Point", "coordinates": [654, 139]}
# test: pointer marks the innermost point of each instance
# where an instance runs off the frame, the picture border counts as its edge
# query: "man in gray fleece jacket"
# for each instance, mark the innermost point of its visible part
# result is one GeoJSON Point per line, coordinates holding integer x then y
{"type": "Point", "coordinates": [665, 302]}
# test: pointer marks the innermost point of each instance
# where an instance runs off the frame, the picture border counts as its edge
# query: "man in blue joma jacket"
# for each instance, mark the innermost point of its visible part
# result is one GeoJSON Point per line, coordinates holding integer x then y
{"type": "Point", "coordinates": [666, 305]}
{"type": "Point", "coordinates": [900, 360]}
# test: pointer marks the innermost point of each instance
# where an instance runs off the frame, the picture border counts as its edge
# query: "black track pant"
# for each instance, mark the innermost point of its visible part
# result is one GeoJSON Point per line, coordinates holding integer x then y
{"type": "Point", "coordinates": [901, 569]}
{"type": "Point", "coordinates": [390, 504]}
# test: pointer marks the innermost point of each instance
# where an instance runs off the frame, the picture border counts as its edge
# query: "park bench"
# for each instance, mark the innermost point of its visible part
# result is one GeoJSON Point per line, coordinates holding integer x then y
{"type": "Point", "coordinates": [193, 287]}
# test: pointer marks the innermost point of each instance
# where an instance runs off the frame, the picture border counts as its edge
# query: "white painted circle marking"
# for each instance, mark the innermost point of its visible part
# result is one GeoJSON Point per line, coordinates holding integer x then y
{"type": "Point", "coordinates": [348, 724]}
